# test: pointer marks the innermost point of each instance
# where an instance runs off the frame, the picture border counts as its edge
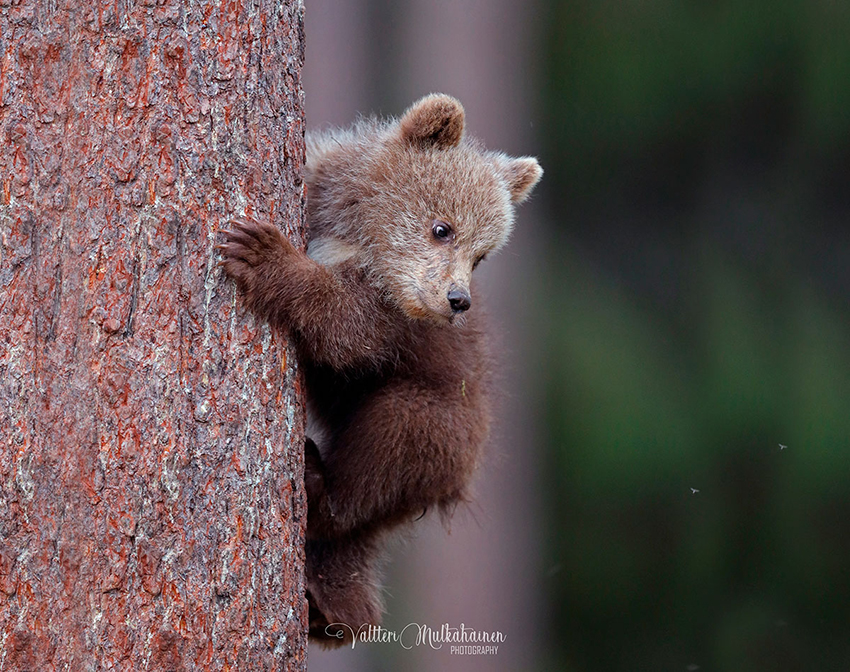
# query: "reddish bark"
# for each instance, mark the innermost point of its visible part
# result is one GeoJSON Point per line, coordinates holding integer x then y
{"type": "Point", "coordinates": [151, 497]}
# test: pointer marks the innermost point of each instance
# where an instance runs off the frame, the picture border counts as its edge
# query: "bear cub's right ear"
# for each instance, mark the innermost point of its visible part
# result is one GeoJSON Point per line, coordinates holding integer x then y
{"type": "Point", "coordinates": [433, 121]}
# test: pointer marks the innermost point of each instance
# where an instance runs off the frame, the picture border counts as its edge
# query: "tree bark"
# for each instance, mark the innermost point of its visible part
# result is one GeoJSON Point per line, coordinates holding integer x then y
{"type": "Point", "coordinates": [152, 507]}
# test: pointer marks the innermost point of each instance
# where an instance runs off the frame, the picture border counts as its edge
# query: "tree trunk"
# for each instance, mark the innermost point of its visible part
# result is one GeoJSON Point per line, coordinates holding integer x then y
{"type": "Point", "coordinates": [151, 502]}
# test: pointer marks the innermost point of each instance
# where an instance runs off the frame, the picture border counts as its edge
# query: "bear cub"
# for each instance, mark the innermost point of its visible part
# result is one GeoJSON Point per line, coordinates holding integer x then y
{"type": "Point", "coordinates": [393, 350]}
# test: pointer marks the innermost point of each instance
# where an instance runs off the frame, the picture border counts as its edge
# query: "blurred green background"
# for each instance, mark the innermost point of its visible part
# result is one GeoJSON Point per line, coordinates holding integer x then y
{"type": "Point", "coordinates": [685, 289]}
{"type": "Point", "coordinates": [698, 159]}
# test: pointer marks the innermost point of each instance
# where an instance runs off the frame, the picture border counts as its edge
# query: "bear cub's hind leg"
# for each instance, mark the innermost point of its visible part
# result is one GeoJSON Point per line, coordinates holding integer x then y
{"type": "Point", "coordinates": [342, 588]}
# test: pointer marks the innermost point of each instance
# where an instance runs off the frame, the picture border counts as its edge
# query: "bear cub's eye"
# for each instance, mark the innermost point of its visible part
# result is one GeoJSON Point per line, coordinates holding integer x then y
{"type": "Point", "coordinates": [441, 230]}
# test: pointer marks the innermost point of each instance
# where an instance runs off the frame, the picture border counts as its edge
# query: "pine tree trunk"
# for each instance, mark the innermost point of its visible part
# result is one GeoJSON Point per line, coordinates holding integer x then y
{"type": "Point", "coordinates": [151, 502]}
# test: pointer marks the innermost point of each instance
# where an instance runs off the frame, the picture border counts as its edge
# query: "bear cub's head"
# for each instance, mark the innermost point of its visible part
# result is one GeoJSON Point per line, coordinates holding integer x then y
{"type": "Point", "coordinates": [414, 201]}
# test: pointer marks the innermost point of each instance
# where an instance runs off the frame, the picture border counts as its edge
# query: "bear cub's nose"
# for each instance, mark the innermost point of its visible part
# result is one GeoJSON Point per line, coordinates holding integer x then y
{"type": "Point", "coordinates": [459, 300]}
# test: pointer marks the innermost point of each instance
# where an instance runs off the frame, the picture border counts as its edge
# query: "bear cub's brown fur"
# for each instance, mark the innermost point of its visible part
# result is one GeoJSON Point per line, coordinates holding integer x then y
{"type": "Point", "coordinates": [399, 214]}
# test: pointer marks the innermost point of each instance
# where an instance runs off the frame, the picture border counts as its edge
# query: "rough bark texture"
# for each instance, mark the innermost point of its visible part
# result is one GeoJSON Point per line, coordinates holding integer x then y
{"type": "Point", "coordinates": [151, 501]}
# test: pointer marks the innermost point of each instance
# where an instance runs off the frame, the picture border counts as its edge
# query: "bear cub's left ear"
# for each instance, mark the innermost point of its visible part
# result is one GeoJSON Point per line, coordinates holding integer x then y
{"type": "Point", "coordinates": [433, 121]}
{"type": "Point", "coordinates": [521, 175]}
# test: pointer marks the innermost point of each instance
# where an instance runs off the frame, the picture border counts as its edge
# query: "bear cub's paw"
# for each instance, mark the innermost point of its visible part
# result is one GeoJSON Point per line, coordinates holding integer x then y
{"type": "Point", "coordinates": [319, 510]}
{"type": "Point", "coordinates": [336, 618]}
{"type": "Point", "coordinates": [251, 251]}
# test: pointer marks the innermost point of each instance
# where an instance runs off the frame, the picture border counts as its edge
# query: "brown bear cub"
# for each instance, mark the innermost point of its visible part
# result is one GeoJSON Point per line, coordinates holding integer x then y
{"type": "Point", "coordinates": [395, 358]}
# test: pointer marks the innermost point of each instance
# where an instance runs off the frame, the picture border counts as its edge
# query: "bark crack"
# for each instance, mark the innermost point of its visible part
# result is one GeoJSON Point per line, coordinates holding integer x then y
{"type": "Point", "coordinates": [57, 302]}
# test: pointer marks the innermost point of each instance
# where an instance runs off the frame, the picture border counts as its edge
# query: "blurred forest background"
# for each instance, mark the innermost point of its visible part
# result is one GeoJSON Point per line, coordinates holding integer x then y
{"type": "Point", "coordinates": [672, 310]}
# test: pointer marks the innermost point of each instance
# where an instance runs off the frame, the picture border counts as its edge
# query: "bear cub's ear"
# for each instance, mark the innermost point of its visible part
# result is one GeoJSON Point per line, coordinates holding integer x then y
{"type": "Point", "coordinates": [433, 121]}
{"type": "Point", "coordinates": [521, 174]}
